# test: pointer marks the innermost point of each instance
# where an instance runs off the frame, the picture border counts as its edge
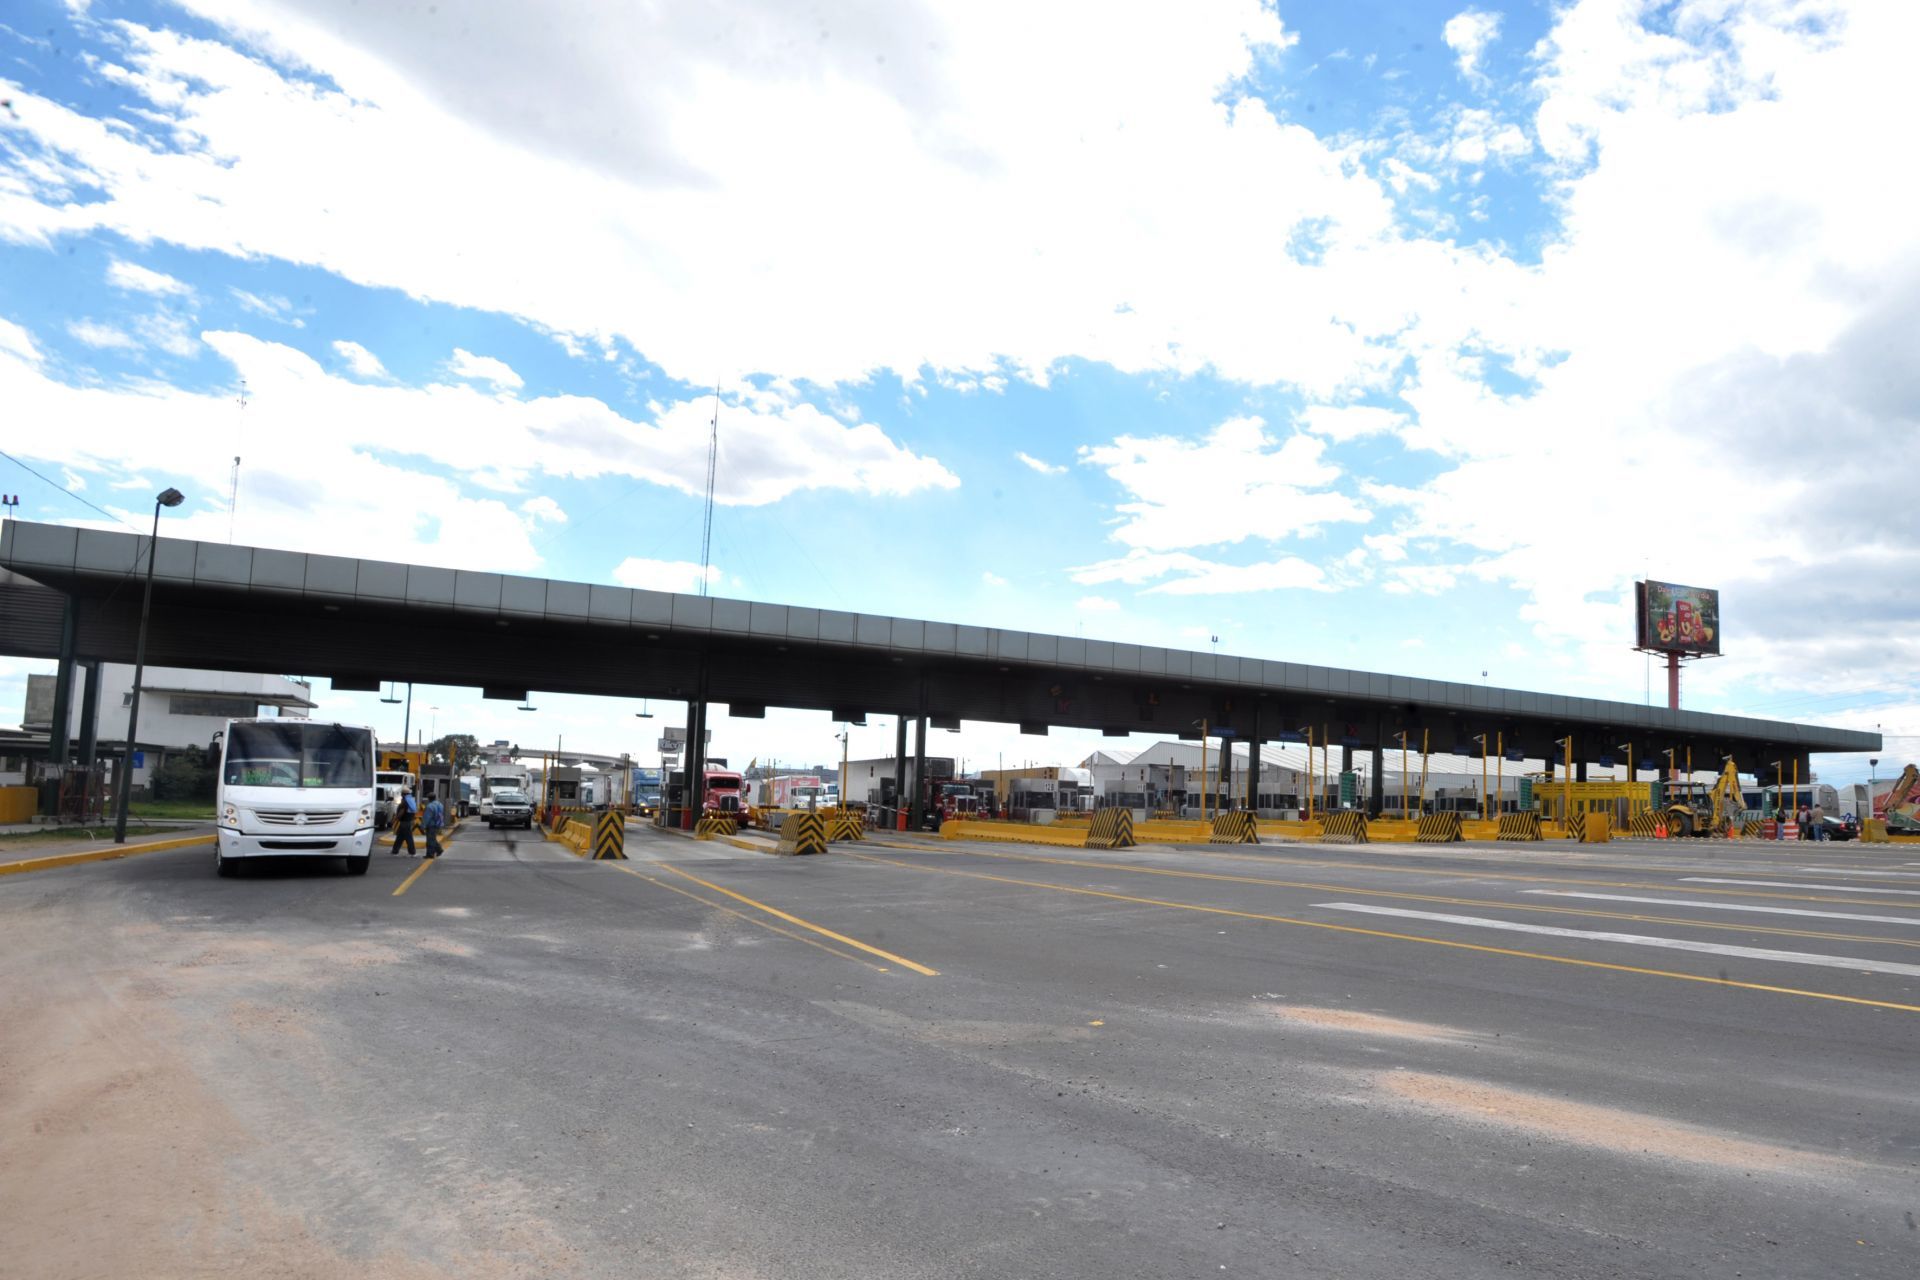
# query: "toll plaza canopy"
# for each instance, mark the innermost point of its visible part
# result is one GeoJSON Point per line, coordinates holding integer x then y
{"type": "Point", "coordinates": [75, 593]}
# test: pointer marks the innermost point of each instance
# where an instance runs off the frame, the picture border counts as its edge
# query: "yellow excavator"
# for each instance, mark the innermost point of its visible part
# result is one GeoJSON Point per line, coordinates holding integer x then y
{"type": "Point", "coordinates": [1900, 808]}
{"type": "Point", "coordinates": [1709, 809]}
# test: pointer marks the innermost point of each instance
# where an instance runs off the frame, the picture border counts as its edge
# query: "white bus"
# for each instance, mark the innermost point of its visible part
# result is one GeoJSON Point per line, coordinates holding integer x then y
{"type": "Point", "coordinates": [294, 788]}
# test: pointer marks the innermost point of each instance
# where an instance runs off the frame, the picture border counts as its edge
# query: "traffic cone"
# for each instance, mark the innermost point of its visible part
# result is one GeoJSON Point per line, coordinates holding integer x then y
{"type": "Point", "coordinates": [1659, 831]}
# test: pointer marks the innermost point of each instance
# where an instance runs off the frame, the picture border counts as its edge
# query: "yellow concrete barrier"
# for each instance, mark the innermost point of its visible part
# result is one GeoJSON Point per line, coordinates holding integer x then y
{"type": "Point", "coordinates": [711, 825]}
{"type": "Point", "coordinates": [845, 824]}
{"type": "Point", "coordinates": [18, 804]}
{"type": "Point", "coordinates": [1111, 829]}
{"type": "Point", "coordinates": [1479, 828]}
{"type": "Point", "coordinates": [1590, 828]}
{"type": "Point", "coordinates": [1237, 827]}
{"type": "Point", "coordinates": [1398, 830]}
{"type": "Point", "coordinates": [1172, 831]}
{"type": "Point", "coordinates": [1518, 826]}
{"type": "Point", "coordinates": [1872, 831]}
{"type": "Point", "coordinates": [1344, 826]}
{"type": "Point", "coordinates": [1014, 832]}
{"type": "Point", "coordinates": [1293, 828]}
{"type": "Point", "coordinates": [803, 833]}
{"type": "Point", "coordinates": [1438, 828]}
{"type": "Point", "coordinates": [610, 837]}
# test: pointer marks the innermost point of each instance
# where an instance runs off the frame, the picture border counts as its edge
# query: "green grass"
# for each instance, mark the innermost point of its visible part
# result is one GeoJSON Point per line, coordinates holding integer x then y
{"type": "Point", "coordinates": [198, 809]}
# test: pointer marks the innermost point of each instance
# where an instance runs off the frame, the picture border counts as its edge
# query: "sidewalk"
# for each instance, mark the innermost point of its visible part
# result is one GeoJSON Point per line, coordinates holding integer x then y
{"type": "Point", "coordinates": [93, 845]}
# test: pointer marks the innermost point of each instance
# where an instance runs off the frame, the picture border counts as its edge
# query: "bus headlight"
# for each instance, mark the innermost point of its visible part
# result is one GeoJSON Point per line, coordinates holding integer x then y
{"type": "Point", "coordinates": [230, 816]}
{"type": "Point", "coordinates": [366, 817]}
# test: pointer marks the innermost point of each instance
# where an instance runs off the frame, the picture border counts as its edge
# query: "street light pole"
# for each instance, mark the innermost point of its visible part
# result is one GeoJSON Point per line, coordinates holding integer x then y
{"type": "Point", "coordinates": [166, 498]}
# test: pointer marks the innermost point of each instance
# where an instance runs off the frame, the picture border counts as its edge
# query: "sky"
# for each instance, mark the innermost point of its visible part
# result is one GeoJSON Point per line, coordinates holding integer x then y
{"type": "Point", "coordinates": [1396, 336]}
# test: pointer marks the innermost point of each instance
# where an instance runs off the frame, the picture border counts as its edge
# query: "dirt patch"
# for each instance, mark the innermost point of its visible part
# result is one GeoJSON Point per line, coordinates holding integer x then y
{"type": "Point", "coordinates": [1609, 1128]}
{"type": "Point", "coordinates": [1371, 1024]}
{"type": "Point", "coordinates": [119, 1156]}
{"type": "Point", "coordinates": [445, 947]}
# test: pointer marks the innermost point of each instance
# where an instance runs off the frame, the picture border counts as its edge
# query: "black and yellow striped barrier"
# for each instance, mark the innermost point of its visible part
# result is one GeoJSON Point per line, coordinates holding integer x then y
{"type": "Point", "coordinates": [1343, 826]}
{"type": "Point", "coordinates": [803, 833]}
{"type": "Point", "coordinates": [1641, 825]}
{"type": "Point", "coordinates": [1237, 827]}
{"type": "Point", "coordinates": [1518, 826]}
{"type": "Point", "coordinates": [711, 825]}
{"type": "Point", "coordinates": [1110, 829]}
{"type": "Point", "coordinates": [1438, 828]}
{"type": "Point", "coordinates": [1590, 828]}
{"type": "Point", "coordinates": [610, 836]}
{"type": "Point", "coordinates": [845, 824]}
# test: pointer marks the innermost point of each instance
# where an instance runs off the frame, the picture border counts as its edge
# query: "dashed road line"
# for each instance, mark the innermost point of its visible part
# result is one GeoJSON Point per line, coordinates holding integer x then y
{"type": "Point", "coordinates": [1638, 940]}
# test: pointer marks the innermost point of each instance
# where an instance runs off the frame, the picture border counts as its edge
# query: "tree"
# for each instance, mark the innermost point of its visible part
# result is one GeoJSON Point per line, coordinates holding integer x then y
{"type": "Point", "coordinates": [462, 750]}
{"type": "Point", "coordinates": [187, 775]}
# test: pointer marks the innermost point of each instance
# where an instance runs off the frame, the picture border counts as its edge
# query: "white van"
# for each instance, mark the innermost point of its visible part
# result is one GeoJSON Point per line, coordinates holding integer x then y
{"type": "Point", "coordinates": [292, 788]}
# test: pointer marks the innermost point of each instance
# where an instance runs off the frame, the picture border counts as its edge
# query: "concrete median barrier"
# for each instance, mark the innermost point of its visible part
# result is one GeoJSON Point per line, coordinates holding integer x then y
{"type": "Point", "coordinates": [1237, 827]}
{"type": "Point", "coordinates": [1438, 828]}
{"type": "Point", "coordinates": [1111, 829]}
{"type": "Point", "coordinates": [1343, 827]}
{"type": "Point", "coordinates": [1518, 826]}
{"type": "Point", "coordinates": [803, 833]}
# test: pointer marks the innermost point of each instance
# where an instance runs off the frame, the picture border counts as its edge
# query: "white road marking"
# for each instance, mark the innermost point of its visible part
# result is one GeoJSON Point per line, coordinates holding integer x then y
{"type": "Point", "coordinates": [1725, 906]}
{"type": "Point", "coordinates": [1785, 884]}
{"type": "Point", "coordinates": [1862, 871]}
{"type": "Point", "coordinates": [1638, 940]}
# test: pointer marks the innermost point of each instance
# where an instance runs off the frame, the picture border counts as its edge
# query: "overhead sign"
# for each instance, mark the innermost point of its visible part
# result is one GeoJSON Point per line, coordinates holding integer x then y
{"type": "Point", "coordinates": [1676, 619]}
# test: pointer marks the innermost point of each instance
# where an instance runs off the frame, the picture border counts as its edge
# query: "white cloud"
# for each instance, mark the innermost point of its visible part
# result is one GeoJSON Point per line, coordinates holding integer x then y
{"type": "Point", "coordinates": [1233, 484]}
{"type": "Point", "coordinates": [663, 575]}
{"type": "Point", "coordinates": [167, 332]}
{"type": "Point", "coordinates": [18, 343]}
{"type": "Point", "coordinates": [543, 508]}
{"type": "Point", "coordinates": [1197, 576]}
{"type": "Point", "coordinates": [1349, 422]}
{"type": "Point", "coordinates": [992, 579]}
{"type": "Point", "coordinates": [134, 278]}
{"type": "Point", "coordinates": [272, 306]}
{"type": "Point", "coordinates": [102, 337]}
{"type": "Point", "coordinates": [416, 171]}
{"type": "Point", "coordinates": [1044, 468]}
{"type": "Point", "coordinates": [465, 364]}
{"type": "Point", "coordinates": [1096, 604]}
{"type": "Point", "coordinates": [73, 480]}
{"type": "Point", "coordinates": [1468, 33]}
{"type": "Point", "coordinates": [362, 362]}
{"type": "Point", "coordinates": [303, 420]}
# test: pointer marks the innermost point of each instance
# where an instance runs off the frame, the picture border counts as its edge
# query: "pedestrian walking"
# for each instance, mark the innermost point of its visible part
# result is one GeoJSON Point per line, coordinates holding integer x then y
{"type": "Point", "coordinates": [432, 819]}
{"type": "Point", "coordinates": [405, 810]}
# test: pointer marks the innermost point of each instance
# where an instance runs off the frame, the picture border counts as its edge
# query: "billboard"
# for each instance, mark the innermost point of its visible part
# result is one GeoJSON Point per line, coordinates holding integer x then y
{"type": "Point", "coordinates": [1676, 619]}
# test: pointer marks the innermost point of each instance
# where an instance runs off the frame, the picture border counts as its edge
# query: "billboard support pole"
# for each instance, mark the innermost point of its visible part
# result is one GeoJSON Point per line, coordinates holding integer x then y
{"type": "Point", "coordinates": [1673, 682]}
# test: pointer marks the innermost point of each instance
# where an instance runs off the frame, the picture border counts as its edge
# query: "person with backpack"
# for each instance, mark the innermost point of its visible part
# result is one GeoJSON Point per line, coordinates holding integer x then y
{"type": "Point", "coordinates": [405, 810]}
{"type": "Point", "coordinates": [432, 819]}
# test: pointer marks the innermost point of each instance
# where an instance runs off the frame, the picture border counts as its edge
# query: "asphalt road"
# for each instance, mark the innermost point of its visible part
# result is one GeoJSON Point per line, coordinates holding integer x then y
{"type": "Point", "coordinates": [958, 1060]}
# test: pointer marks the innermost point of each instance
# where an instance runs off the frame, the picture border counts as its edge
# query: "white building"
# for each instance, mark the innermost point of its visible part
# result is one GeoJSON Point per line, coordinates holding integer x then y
{"type": "Point", "coordinates": [179, 708]}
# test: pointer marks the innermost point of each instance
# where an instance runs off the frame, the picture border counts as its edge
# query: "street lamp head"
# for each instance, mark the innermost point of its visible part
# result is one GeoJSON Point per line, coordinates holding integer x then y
{"type": "Point", "coordinates": [170, 498]}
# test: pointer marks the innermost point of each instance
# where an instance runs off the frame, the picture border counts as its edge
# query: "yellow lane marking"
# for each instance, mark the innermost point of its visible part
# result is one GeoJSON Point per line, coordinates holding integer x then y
{"type": "Point", "coordinates": [1398, 937]}
{"type": "Point", "coordinates": [417, 873]}
{"type": "Point", "coordinates": [53, 860]}
{"type": "Point", "coordinates": [1596, 912]}
{"type": "Point", "coordinates": [753, 920]}
{"type": "Point", "coordinates": [793, 919]}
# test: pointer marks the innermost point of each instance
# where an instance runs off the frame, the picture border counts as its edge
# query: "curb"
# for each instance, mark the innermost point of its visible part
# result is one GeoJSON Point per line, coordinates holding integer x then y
{"type": "Point", "coordinates": [52, 861]}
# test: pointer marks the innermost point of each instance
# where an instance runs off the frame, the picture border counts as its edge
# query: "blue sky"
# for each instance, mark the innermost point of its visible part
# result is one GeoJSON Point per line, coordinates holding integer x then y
{"type": "Point", "coordinates": [1398, 336]}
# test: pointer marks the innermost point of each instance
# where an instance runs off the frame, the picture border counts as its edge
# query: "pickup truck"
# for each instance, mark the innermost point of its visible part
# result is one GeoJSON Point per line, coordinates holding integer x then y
{"type": "Point", "coordinates": [510, 809]}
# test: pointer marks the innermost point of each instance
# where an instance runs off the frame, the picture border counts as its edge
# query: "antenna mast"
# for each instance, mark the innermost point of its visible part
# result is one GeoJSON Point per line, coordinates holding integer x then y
{"type": "Point", "coordinates": [706, 528]}
{"type": "Point", "coordinates": [233, 497]}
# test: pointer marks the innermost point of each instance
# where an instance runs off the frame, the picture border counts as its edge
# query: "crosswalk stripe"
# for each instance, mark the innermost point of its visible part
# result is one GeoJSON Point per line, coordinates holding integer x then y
{"type": "Point", "coordinates": [1637, 940]}
{"type": "Point", "coordinates": [1785, 884]}
{"type": "Point", "coordinates": [1725, 906]}
{"type": "Point", "coordinates": [1861, 871]}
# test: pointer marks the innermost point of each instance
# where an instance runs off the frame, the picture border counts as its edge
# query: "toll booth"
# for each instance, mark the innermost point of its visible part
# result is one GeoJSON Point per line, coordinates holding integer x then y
{"type": "Point", "coordinates": [439, 782]}
{"type": "Point", "coordinates": [563, 785]}
{"type": "Point", "coordinates": [673, 800]}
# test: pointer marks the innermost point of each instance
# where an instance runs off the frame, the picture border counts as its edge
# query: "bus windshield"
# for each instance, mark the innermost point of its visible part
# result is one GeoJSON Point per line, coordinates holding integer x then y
{"type": "Point", "coordinates": [298, 755]}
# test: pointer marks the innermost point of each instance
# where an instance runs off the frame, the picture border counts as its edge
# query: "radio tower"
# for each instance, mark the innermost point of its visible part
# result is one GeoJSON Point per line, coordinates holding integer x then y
{"type": "Point", "coordinates": [706, 528]}
{"type": "Point", "coordinates": [233, 496]}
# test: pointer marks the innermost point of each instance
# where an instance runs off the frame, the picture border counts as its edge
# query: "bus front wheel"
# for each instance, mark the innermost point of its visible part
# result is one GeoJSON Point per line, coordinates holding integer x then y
{"type": "Point", "coordinates": [358, 866]}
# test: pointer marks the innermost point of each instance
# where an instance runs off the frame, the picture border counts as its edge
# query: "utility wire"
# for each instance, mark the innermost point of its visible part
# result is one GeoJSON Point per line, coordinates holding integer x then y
{"type": "Point", "coordinates": [62, 488]}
